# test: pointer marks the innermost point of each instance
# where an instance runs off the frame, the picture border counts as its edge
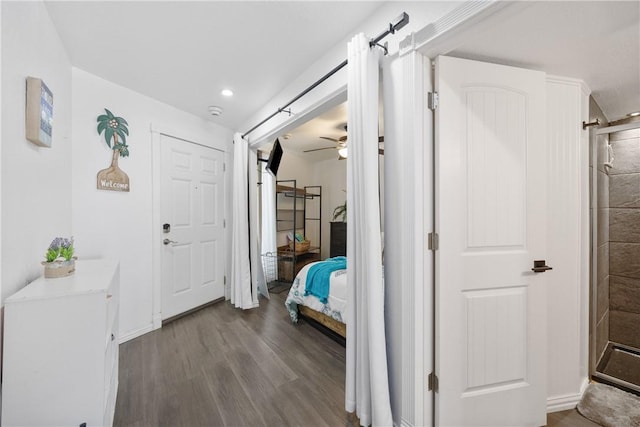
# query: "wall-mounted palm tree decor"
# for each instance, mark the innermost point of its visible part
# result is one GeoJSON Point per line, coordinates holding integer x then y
{"type": "Point", "coordinates": [115, 134]}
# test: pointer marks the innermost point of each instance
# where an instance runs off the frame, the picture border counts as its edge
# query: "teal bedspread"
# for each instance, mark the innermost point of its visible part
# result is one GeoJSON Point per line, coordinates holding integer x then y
{"type": "Point", "coordinates": [319, 274]}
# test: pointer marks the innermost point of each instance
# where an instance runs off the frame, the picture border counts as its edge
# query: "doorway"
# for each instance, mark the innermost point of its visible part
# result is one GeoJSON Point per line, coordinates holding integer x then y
{"type": "Point", "coordinates": [615, 283]}
{"type": "Point", "coordinates": [310, 185]}
{"type": "Point", "coordinates": [192, 217]}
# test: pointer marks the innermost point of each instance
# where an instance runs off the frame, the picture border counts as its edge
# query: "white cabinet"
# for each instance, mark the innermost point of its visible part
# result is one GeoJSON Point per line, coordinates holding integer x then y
{"type": "Point", "coordinates": [60, 364]}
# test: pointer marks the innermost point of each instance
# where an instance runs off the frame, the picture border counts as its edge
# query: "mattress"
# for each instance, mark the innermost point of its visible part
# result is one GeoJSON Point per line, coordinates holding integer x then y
{"type": "Point", "coordinates": [336, 301]}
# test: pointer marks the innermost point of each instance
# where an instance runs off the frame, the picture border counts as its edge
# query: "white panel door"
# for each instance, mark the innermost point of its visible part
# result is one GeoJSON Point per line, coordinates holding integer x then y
{"type": "Point", "coordinates": [192, 200]}
{"type": "Point", "coordinates": [490, 216]}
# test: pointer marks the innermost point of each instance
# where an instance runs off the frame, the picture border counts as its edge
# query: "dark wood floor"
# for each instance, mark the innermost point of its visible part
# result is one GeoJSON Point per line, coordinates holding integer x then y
{"type": "Point", "coordinates": [226, 367]}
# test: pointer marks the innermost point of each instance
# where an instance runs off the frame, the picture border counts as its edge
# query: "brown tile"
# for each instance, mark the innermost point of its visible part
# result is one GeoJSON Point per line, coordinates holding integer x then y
{"type": "Point", "coordinates": [602, 335]}
{"type": "Point", "coordinates": [603, 225]}
{"type": "Point", "coordinates": [624, 365]}
{"type": "Point", "coordinates": [624, 294]}
{"type": "Point", "coordinates": [603, 297]}
{"type": "Point", "coordinates": [624, 225]}
{"type": "Point", "coordinates": [603, 262]}
{"type": "Point", "coordinates": [625, 134]}
{"type": "Point", "coordinates": [624, 259]}
{"type": "Point", "coordinates": [624, 328]}
{"type": "Point", "coordinates": [626, 156]}
{"type": "Point", "coordinates": [569, 418]}
{"type": "Point", "coordinates": [603, 190]}
{"type": "Point", "coordinates": [624, 191]}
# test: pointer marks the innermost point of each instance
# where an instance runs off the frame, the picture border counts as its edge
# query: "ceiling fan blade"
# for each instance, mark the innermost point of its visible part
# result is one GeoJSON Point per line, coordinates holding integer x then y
{"type": "Point", "coordinates": [318, 149]}
{"type": "Point", "coordinates": [330, 139]}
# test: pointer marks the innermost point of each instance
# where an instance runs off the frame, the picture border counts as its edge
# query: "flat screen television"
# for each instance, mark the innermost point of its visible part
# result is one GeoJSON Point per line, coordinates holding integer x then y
{"type": "Point", "coordinates": [274, 158]}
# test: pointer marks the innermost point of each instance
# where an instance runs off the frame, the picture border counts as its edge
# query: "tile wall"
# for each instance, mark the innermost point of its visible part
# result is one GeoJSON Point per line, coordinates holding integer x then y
{"type": "Point", "coordinates": [624, 239]}
{"type": "Point", "coordinates": [600, 211]}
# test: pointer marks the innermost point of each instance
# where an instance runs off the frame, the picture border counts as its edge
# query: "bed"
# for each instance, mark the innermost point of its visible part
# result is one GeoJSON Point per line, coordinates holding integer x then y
{"type": "Point", "coordinates": [330, 314]}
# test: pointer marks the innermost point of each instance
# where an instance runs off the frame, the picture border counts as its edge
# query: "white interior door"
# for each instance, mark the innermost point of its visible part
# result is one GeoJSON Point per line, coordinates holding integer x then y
{"type": "Point", "coordinates": [192, 203]}
{"type": "Point", "coordinates": [490, 216]}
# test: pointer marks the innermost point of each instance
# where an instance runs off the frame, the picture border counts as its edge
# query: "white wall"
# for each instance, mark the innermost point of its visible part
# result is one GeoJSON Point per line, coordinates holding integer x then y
{"type": "Point", "coordinates": [36, 181]}
{"type": "Point", "coordinates": [118, 224]}
{"type": "Point", "coordinates": [292, 166]}
{"type": "Point", "coordinates": [332, 176]}
{"type": "Point", "coordinates": [568, 242]}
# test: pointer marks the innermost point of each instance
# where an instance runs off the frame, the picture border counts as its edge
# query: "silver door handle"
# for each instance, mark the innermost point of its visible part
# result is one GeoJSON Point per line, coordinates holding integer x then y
{"type": "Point", "coordinates": [167, 241]}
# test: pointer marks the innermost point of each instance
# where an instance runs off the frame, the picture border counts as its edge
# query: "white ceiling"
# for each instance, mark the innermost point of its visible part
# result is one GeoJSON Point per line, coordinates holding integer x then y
{"type": "Point", "coordinates": [307, 136]}
{"type": "Point", "coordinates": [596, 41]}
{"type": "Point", "coordinates": [184, 53]}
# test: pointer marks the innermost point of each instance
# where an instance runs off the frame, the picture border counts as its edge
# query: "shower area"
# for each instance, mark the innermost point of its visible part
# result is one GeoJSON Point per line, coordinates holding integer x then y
{"type": "Point", "coordinates": [615, 283]}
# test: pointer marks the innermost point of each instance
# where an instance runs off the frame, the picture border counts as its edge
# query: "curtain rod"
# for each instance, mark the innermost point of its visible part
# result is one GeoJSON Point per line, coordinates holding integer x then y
{"type": "Point", "coordinates": [394, 26]}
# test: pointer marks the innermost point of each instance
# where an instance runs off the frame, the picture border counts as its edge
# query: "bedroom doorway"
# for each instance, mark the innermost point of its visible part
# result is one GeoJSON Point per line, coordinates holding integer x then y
{"type": "Point", "coordinates": [191, 209]}
{"type": "Point", "coordinates": [309, 202]}
{"type": "Point", "coordinates": [310, 185]}
{"type": "Point", "coordinates": [309, 188]}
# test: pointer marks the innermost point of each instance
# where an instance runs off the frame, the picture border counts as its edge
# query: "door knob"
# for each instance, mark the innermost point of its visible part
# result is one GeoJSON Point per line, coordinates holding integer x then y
{"type": "Point", "coordinates": [540, 266]}
{"type": "Point", "coordinates": [167, 241]}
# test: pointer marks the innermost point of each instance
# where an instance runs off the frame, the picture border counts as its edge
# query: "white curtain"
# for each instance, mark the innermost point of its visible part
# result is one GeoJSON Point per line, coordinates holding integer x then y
{"type": "Point", "coordinates": [269, 244]}
{"type": "Point", "coordinates": [240, 268]}
{"type": "Point", "coordinates": [367, 385]}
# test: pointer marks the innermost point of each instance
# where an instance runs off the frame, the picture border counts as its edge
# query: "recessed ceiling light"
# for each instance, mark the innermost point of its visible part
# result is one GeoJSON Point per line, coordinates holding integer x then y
{"type": "Point", "coordinates": [227, 92]}
{"type": "Point", "coordinates": [214, 110]}
{"type": "Point", "coordinates": [286, 136]}
{"type": "Point", "coordinates": [634, 114]}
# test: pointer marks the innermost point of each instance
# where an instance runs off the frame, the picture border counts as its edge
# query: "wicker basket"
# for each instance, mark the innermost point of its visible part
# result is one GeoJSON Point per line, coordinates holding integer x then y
{"type": "Point", "coordinates": [300, 246]}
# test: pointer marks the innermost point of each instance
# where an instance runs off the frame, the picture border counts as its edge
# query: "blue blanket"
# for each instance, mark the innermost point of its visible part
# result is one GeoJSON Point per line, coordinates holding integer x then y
{"type": "Point", "coordinates": [319, 274]}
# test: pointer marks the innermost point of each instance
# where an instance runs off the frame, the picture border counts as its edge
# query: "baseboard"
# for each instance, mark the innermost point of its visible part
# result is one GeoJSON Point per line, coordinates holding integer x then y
{"type": "Point", "coordinates": [566, 401]}
{"type": "Point", "coordinates": [157, 321]}
{"type": "Point", "coordinates": [135, 334]}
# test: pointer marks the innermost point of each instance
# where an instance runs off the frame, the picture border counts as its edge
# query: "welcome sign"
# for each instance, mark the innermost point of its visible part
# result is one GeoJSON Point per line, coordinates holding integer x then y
{"type": "Point", "coordinates": [115, 134]}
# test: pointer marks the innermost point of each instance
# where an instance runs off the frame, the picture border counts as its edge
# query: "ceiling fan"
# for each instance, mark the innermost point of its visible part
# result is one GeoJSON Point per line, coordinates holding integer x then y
{"type": "Point", "coordinates": [341, 146]}
{"type": "Point", "coordinates": [340, 143]}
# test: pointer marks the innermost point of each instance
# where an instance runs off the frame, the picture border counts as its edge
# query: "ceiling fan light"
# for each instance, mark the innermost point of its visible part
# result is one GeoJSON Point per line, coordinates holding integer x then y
{"type": "Point", "coordinates": [342, 152]}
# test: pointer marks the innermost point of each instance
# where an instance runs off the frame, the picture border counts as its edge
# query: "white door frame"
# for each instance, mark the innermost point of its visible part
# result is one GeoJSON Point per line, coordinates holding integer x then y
{"type": "Point", "coordinates": [156, 220]}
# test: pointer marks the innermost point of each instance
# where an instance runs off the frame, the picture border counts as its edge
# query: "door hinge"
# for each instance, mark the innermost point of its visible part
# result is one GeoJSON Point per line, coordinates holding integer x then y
{"type": "Point", "coordinates": [224, 280]}
{"type": "Point", "coordinates": [432, 241]}
{"type": "Point", "coordinates": [432, 100]}
{"type": "Point", "coordinates": [432, 382]}
{"type": "Point", "coordinates": [224, 167]}
{"type": "Point", "coordinates": [224, 223]}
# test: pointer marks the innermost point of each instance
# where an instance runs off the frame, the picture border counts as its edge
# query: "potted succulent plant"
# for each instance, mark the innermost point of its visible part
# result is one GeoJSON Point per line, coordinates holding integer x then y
{"type": "Point", "coordinates": [60, 261]}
